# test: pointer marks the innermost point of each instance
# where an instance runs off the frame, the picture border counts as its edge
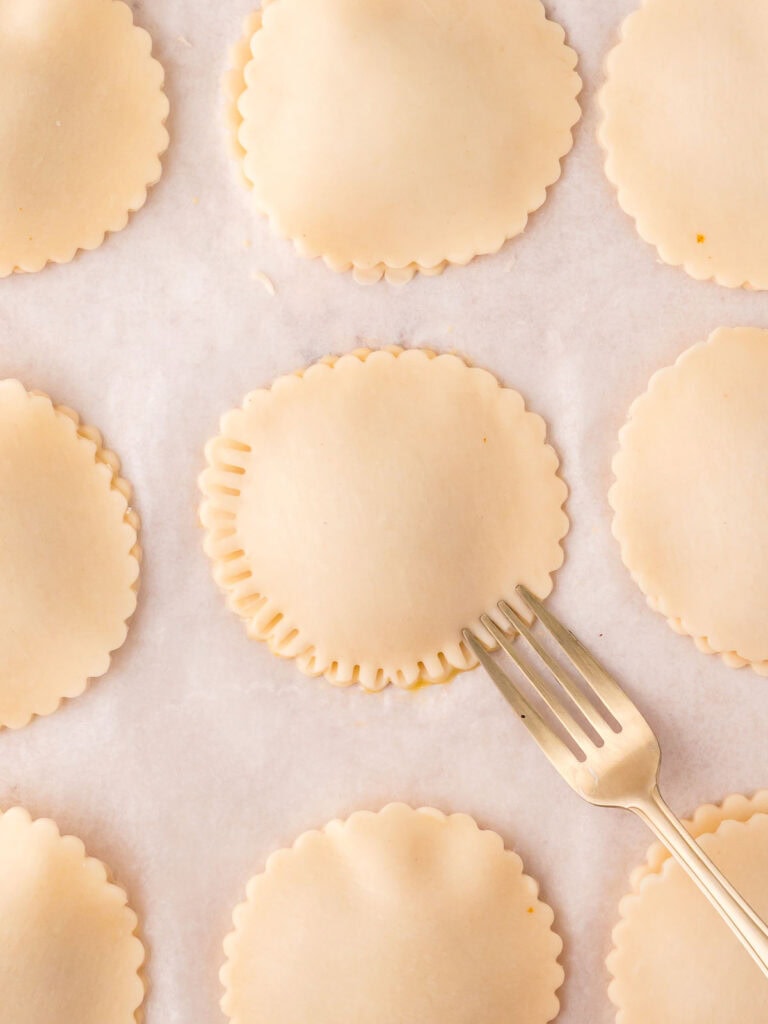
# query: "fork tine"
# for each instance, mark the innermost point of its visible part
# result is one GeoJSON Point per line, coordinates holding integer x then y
{"type": "Point", "coordinates": [592, 672]}
{"type": "Point", "coordinates": [545, 690]}
{"type": "Point", "coordinates": [557, 752]}
{"type": "Point", "coordinates": [582, 702]}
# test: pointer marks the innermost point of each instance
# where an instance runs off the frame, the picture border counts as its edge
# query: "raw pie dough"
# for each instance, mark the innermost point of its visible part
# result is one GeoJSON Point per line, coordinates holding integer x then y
{"type": "Point", "coordinates": [691, 495]}
{"type": "Point", "coordinates": [68, 946]}
{"type": "Point", "coordinates": [360, 513]}
{"type": "Point", "coordinates": [82, 116]}
{"type": "Point", "coordinates": [390, 136]}
{"type": "Point", "coordinates": [685, 127]}
{"type": "Point", "coordinates": [69, 556]}
{"type": "Point", "coordinates": [674, 960]}
{"type": "Point", "coordinates": [399, 916]}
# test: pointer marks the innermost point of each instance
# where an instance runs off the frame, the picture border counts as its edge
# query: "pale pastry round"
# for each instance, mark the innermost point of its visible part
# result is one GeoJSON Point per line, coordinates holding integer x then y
{"type": "Point", "coordinates": [691, 495]}
{"type": "Point", "coordinates": [388, 136]}
{"type": "Point", "coordinates": [360, 513]}
{"type": "Point", "coordinates": [69, 555]}
{"type": "Point", "coordinates": [673, 958]}
{"type": "Point", "coordinates": [404, 915]}
{"type": "Point", "coordinates": [685, 129]}
{"type": "Point", "coordinates": [69, 952]}
{"type": "Point", "coordinates": [82, 114]}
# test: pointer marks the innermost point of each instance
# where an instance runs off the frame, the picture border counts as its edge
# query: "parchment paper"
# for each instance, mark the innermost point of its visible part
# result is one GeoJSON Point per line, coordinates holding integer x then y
{"type": "Point", "coordinates": [199, 753]}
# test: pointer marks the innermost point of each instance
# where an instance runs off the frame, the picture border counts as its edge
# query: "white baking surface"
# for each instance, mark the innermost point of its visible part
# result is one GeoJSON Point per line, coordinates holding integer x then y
{"type": "Point", "coordinates": [199, 753]}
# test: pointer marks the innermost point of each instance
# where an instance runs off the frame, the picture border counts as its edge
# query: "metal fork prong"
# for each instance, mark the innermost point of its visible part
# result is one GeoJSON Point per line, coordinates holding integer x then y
{"type": "Point", "coordinates": [551, 744]}
{"type": "Point", "coordinates": [590, 669]}
{"type": "Point", "coordinates": [582, 702]}
{"type": "Point", "coordinates": [623, 772]}
{"type": "Point", "coordinates": [545, 690]}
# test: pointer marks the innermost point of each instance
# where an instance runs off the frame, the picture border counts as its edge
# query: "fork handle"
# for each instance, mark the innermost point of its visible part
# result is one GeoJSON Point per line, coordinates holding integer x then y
{"type": "Point", "coordinates": [748, 928]}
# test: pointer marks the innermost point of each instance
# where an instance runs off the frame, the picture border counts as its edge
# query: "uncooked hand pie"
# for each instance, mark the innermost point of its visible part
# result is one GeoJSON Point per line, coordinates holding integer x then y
{"type": "Point", "coordinates": [399, 916]}
{"type": "Point", "coordinates": [685, 127]}
{"type": "Point", "coordinates": [68, 946]}
{"type": "Point", "coordinates": [673, 958]}
{"type": "Point", "coordinates": [361, 513]}
{"type": "Point", "coordinates": [390, 137]}
{"type": "Point", "coordinates": [69, 556]}
{"type": "Point", "coordinates": [82, 114]}
{"type": "Point", "coordinates": [691, 495]}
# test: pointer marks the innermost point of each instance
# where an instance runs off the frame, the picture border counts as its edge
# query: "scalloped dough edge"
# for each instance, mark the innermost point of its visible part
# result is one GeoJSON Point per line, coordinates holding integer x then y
{"type": "Point", "coordinates": [98, 236]}
{"type": "Point", "coordinates": [102, 875]}
{"type": "Point", "coordinates": [708, 818]}
{"type": "Point", "coordinates": [263, 619]}
{"type": "Point", "coordinates": [697, 270]}
{"type": "Point", "coordinates": [105, 457]}
{"type": "Point", "coordinates": [732, 659]}
{"type": "Point", "coordinates": [234, 85]}
{"type": "Point", "coordinates": [336, 828]}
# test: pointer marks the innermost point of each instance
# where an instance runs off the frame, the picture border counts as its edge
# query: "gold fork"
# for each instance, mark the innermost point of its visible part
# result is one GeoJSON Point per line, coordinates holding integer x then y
{"type": "Point", "coordinates": [611, 756]}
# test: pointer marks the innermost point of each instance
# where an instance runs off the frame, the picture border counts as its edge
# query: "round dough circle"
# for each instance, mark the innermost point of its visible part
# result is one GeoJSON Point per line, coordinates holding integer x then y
{"type": "Point", "coordinates": [407, 494]}
{"type": "Point", "coordinates": [69, 556]}
{"type": "Point", "coordinates": [670, 944]}
{"type": "Point", "coordinates": [390, 136]}
{"type": "Point", "coordinates": [685, 128]}
{"type": "Point", "coordinates": [403, 915]}
{"type": "Point", "coordinates": [691, 495]}
{"type": "Point", "coordinates": [68, 945]}
{"type": "Point", "coordinates": [82, 116]}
